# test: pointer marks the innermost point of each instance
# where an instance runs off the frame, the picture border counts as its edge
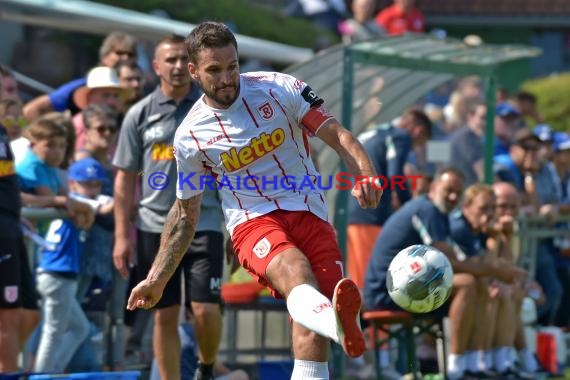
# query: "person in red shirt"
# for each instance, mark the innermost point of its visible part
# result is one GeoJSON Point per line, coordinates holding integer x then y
{"type": "Point", "coordinates": [401, 17]}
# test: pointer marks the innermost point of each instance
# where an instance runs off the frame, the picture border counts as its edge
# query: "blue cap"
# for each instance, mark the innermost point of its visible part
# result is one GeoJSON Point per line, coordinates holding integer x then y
{"type": "Point", "coordinates": [561, 141]}
{"type": "Point", "coordinates": [87, 169]}
{"type": "Point", "coordinates": [505, 109]}
{"type": "Point", "coordinates": [544, 132]}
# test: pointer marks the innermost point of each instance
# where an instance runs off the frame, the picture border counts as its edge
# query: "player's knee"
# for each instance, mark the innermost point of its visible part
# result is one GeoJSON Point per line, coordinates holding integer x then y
{"type": "Point", "coordinates": [167, 317]}
{"type": "Point", "coordinates": [465, 284]}
{"type": "Point", "coordinates": [205, 311]}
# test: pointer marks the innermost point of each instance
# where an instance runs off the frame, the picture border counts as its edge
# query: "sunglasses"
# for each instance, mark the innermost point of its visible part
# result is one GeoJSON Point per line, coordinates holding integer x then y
{"type": "Point", "coordinates": [19, 122]}
{"type": "Point", "coordinates": [102, 129]}
{"type": "Point", "coordinates": [128, 53]}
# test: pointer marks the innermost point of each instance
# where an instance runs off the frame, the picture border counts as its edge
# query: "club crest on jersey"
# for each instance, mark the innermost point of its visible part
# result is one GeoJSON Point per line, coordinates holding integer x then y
{"type": "Point", "coordinates": [265, 111]}
{"type": "Point", "coordinates": [10, 294]}
{"type": "Point", "coordinates": [262, 248]}
{"type": "Point", "coordinates": [258, 147]}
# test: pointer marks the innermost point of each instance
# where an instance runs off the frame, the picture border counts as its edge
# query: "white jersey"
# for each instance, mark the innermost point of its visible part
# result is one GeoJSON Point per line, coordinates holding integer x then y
{"type": "Point", "coordinates": [256, 151]}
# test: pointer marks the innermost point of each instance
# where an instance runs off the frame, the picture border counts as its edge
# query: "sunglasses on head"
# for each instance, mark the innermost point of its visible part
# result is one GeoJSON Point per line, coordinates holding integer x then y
{"type": "Point", "coordinates": [19, 122]}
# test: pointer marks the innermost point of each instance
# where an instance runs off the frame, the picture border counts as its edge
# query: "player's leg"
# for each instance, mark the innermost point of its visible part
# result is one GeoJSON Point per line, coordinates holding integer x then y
{"type": "Point", "coordinates": [10, 305]}
{"type": "Point", "coordinates": [461, 317]}
{"type": "Point", "coordinates": [30, 316]}
{"type": "Point", "coordinates": [165, 338]}
{"type": "Point", "coordinates": [204, 276]}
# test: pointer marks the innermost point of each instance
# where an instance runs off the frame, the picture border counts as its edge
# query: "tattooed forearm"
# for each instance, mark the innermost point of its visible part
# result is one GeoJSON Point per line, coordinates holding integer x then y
{"type": "Point", "coordinates": [177, 235]}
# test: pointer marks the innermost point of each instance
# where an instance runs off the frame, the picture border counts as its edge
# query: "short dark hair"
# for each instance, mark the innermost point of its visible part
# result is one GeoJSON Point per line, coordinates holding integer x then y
{"type": "Point", "coordinates": [130, 64]}
{"type": "Point", "coordinates": [171, 39]}
{"type": "Point", "coordinates": [207, 35]}
{"type": "Point", "coordinates": [419, 117]}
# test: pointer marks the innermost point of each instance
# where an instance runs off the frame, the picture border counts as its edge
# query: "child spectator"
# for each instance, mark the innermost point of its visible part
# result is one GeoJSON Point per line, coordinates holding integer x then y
{"type": "Point", "coordinates": [38, 171]}
{"type": "Point", "coordinates": [65, 325]}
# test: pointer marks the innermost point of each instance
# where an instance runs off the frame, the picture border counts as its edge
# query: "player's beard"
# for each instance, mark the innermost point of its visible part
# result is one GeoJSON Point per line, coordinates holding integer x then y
{"type": "Point", "coordinates": [224, 100]}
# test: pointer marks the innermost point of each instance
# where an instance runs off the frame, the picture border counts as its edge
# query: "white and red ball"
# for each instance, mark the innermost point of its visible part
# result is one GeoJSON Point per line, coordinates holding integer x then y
{"type": "Point", "coordinates": [420, 279]}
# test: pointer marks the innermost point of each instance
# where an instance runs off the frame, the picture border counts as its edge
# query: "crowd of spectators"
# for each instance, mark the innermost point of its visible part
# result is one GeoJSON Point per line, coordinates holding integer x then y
{"type": "Point", "coordinates": [60, 147]}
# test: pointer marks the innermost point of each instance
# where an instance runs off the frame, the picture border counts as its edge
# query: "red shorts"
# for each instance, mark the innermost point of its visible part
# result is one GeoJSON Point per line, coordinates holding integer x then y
{"type": "Point", "coordinates": [257, 241]}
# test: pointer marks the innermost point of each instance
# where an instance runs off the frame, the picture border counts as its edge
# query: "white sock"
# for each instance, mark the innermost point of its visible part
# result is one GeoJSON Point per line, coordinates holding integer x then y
{"type": "Point", "coordinates": [308, 370]}
{"type": "Point", "coordinates": [500, 357]}
{"type": "Point", "coordinates": [455, 366]}
{"type": "Point", "coordinates": [489, 359]}
{"type": "Point", "coordinates": [528, 360]}
{"type": "Point", "coordinates": [311, 309]}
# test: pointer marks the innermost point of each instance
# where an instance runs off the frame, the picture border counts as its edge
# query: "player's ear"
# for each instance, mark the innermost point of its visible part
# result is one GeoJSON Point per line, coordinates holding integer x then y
{"type": "Point", "coordinates": [193, 70]}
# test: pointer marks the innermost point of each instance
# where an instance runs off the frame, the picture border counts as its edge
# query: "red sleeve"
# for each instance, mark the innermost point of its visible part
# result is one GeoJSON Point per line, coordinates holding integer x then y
{"type": "Point", "coordinates": [315, 118]}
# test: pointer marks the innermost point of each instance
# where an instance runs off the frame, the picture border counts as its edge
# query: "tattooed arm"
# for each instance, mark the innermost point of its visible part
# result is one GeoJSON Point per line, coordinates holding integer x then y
{"type": "Point", "coordinates": [176, 236]}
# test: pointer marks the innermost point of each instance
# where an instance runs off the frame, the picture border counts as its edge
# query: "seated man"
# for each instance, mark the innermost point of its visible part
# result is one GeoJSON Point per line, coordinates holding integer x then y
{"type": "Point", "coordinates": [424, 220]}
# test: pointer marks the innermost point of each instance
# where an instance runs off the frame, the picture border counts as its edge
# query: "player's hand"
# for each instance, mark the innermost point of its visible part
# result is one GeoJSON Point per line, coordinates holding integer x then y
{"type": "Point", "coordinates": [231, 258]}
{"type": "Point", "coordinates": [123, 256]}
{"type": "Point", "coordinates": [145, 295]}
{"type": "Point", "coordinates": [366, 192]}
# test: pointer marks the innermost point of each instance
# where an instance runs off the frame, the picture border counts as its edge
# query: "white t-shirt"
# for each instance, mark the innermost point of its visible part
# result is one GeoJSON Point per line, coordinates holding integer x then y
{"type": "Point", "coordinates": [258, 145]}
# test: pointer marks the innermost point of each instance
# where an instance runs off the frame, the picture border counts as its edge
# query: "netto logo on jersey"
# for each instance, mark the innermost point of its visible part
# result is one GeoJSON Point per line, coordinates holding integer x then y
{"type": "Point", "coordinates": [258, 147]}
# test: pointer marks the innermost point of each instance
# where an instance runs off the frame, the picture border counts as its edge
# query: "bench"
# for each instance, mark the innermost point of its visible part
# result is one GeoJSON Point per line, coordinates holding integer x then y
{"type": "Point", "coordinates": [404, 327]}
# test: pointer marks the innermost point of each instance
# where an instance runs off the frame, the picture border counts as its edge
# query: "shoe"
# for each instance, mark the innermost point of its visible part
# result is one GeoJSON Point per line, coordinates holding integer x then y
{"type": "Point", "coordinates": [347, 302]}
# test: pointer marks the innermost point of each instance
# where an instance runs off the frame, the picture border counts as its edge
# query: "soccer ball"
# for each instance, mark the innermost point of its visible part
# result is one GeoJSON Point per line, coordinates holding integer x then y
{"type": "Point", "coordinates": [419, 279]}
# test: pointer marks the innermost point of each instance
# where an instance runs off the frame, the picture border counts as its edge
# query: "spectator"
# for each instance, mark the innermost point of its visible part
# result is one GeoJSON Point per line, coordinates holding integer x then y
{"type": "Point", "coordinates": [388, 145]}
{"type": "Point", "coordinates": [65, 325]}
{"type": "Point", "coordinates": [507, 209]}
{"type": "Point", "coordinates": [102, 87]}
{"type": "Point", "coordinates": [117, 46]}
{"type": "Point", "coordinates": [425, 221]}
{"type": "Point", "coordinates": [401, 17]}
{"type": "Point", "coordinates": [473, 228]}
{"type": "Point", "coordinates": [506, 124]}
{"type": "Point", "coordinates": [9, 84]}
{"type": "Point", "coordinates": [131, 77]}
{"type": "Point", "coordinates": [526, 104]}
{"type": "Point", "coordinates": [11, 117]}
{"type": "Point", "coordinates": [101, 134]}
{"type": "Point", "coordinates": [145, 143]}
{"type": "Point", "coordinates": [38, 172]}
{"type": "Point", "coordinates": [18, 302]}
{"type": "Point", "coordinates": [467, 143]}
{"type": "Point", "coordinates": [362, 25]}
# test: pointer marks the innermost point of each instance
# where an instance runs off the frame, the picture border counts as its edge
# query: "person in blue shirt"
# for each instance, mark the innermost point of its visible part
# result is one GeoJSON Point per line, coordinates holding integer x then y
{"type": "Point", "coordinates": [507, 120]}
{"type": "Point", "coordinates": [475, 231]}
{"type": "Point", "coordinates": [424, 220]}
{"type": "Point", "coordinates": [388, 146]}
{"type": "Point", "coordinates": [65, 325]}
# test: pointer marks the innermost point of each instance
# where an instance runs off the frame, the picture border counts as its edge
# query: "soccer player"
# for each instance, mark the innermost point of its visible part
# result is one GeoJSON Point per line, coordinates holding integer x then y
{"type": "Point", "coordinates": [255, 125]}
